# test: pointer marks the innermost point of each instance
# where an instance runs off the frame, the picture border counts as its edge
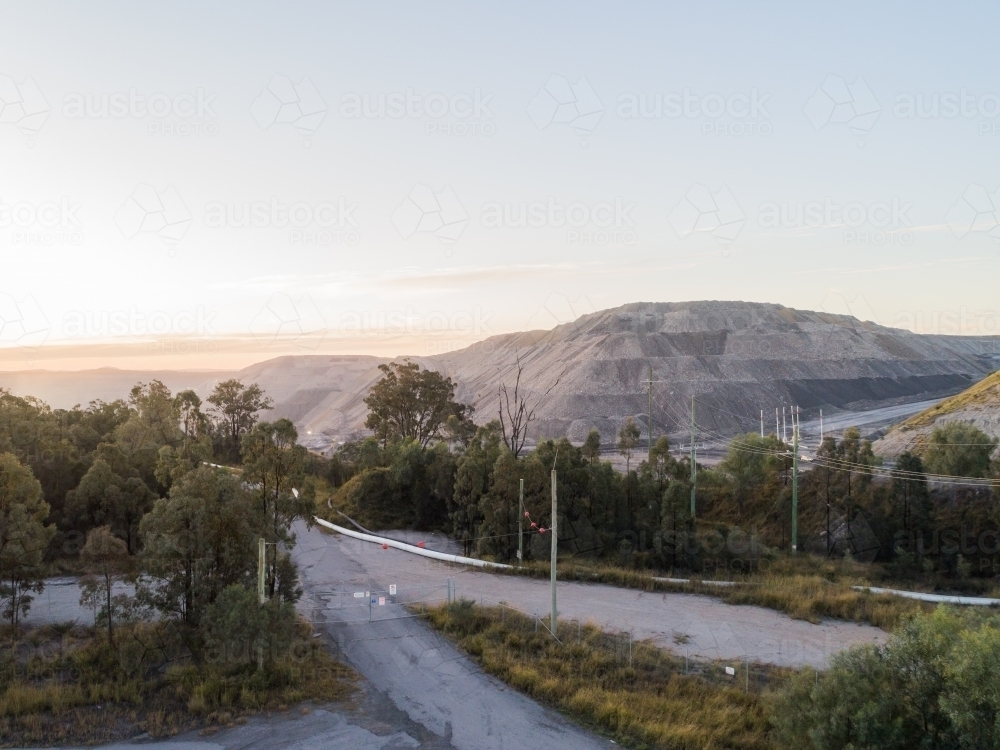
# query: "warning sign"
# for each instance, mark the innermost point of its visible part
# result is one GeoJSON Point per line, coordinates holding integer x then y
{"type": "Point", "coordinates": [392, 589]}
{"type": "Point", "coordinates": [381, 601]}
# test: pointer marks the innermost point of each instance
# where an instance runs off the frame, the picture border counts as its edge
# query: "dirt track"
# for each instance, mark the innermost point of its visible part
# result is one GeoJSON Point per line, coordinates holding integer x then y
{"type": "Point", "coordinates": [701, 626]}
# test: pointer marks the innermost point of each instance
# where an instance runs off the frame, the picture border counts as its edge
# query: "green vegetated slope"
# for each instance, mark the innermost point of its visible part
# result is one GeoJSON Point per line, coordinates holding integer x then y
{"type": "Point", "coordinates": [984, 394]}
{"type": "Point", "coordinates": [978, 405]}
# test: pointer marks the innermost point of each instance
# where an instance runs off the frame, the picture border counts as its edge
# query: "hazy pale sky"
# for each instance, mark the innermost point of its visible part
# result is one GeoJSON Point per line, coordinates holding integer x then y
{"type": "Point", "coordinates": [206, 185]}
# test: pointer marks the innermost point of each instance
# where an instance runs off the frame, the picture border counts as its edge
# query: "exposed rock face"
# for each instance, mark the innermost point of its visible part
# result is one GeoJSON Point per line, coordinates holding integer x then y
{"type": "Point", "coordinates": [736, 358]}
{"type": "Point", "coordinates": [978, 405]}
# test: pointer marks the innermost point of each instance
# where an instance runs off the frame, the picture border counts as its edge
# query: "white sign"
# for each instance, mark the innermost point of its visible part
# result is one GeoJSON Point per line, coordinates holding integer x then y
{"type": "Point", "coordinates": [731, 671]}
{"type": "Point", "coordinates": [381, 601]}
{"type": "Point", "coordinates": [392, 589]}
{"type": "Point", "coordinates": [359, 594]}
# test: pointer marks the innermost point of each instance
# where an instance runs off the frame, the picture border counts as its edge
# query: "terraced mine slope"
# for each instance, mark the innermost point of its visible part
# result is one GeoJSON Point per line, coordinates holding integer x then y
{"type": "Point", "coordinates": [736, 358]}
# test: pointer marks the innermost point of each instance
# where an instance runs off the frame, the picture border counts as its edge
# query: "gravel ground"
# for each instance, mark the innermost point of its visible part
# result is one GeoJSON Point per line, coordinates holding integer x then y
{"type": "Point", "coordinates": [60, 602]}
{"type": "Point", "coordinates": [701, 626]}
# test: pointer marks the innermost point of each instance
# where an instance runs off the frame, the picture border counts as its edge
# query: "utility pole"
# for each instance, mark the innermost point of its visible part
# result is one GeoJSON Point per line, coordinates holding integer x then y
{"type": "Point", "coordinates": [520, 527]}
{"type": "Point", "coordinates": [552, 568]}
{"type": "Point", "coordinates": [762, 423]}
{"type": "Point", "coordinates": [694, 464]}
{"type": "Point", "coordinates": [820, 425]}
{"type": "Point", "coordinates": [777, 432]}
{"type": "Point", "coordinates": [261, 552]}
{"type": "Point", "coordinates": [784, 426]}
{"type": "Point", "coordinates": [649, 421]}
{"type": "Point", "coordinates": [795, 489]}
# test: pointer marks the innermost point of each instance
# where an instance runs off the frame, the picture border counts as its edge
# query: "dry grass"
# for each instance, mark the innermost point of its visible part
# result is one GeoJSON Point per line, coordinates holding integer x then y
{"type": "Point", "coordinates": [65, 685]}
{"type": "Point", "coordinates": [805, 588]}
{"type": "Point", "coordinates": [644, 701]}
{"type": "Point", "coordinates": [985, 392]}
{"type": "Point", "coordinates": [813, 598]}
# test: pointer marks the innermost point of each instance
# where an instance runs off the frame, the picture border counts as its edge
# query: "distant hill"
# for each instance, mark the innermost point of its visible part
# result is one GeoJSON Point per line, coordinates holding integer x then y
{"type": "Point", "coordinates": [978, 405]}
{"type": "Point", "coordinates": [63, 390]}
{"type": "Point", "coordinates": [736, 358]}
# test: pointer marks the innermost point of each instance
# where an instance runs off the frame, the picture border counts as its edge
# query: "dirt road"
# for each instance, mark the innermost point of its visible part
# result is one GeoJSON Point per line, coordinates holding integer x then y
{"type": "Point", "coordinates": [701, 626]}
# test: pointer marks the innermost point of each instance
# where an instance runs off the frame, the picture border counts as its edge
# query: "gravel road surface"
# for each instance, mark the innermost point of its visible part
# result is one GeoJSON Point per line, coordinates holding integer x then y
{"type": "Point", "coordinates": [701, 626]}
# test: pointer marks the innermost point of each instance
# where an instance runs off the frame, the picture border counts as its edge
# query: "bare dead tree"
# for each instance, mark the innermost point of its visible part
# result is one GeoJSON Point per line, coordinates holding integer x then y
{"type": "Point", "coordinates": [516, 414]}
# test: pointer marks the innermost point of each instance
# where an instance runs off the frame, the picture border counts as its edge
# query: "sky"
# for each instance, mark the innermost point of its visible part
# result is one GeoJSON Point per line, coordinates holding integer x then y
{"type": "Point", "coordinates": [206, 186]}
